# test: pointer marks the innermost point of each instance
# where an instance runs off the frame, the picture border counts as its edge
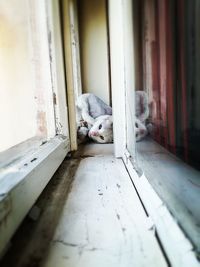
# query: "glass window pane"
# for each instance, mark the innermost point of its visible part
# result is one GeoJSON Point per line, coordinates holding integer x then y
{"type": "Point", "coordinates": [168, 70]}
{"type": "Point", "coordinates": [17, 104]}
{"type": "Point", "coordinates": [26, 105]}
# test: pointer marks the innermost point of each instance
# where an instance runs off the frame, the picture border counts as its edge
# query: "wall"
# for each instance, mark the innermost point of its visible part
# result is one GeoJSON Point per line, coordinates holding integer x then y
{"type": "Point", "coordinates": [93, 48]}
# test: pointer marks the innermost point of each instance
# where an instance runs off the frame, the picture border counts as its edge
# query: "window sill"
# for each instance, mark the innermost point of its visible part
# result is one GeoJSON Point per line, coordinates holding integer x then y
{"type": "Point", "coordinates": [165, 187]}
{"type": "Point", "coordinates": [22, 182]}
{"type": "Point", "coordinates": [177, 184]}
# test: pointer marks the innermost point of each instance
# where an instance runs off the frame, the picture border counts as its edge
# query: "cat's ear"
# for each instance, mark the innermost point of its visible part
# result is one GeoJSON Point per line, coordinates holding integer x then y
{"type": "Point", "coordinates": [110, 119]}
{"type": "Point", "coordinates": [109, 122]}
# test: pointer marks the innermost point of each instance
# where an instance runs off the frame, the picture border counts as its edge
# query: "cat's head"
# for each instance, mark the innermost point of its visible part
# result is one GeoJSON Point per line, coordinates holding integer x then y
{"type": "Point", "coordinates": [102, 130]}
{"type": "Point", "coordinates": [140, 130]}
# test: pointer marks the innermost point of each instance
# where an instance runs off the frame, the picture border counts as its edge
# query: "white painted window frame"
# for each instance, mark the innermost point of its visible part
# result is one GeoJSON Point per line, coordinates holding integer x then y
{"type": "Point", "coordinates": [22, 182]}
{"type": "Point", "coordinates": [117, 75]}
{"type": "Point", "coordinates": [27, 168]}
{"type": "Point", "coordinates": [177, 246]}
{"type": "Point", "coordinates": [57, 67]}
{"type": "Point", "coordinates": [72, 63]}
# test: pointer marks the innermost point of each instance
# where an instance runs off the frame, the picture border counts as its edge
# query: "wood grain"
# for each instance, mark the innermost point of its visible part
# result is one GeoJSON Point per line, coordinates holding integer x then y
{"type": "Point", "coordinates": [103, 222]}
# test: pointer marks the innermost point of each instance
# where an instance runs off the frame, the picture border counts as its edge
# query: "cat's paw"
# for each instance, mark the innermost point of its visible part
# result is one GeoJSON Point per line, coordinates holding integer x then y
{"type": "Point", "coordinates": [82, 134]}
{"type": "Point", "coordinates": [82, 123]}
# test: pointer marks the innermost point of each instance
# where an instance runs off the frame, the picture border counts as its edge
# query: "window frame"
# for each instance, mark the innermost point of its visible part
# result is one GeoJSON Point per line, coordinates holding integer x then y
{"type": "Point", "coordinates": [21, 184]}
{"type": "Point", "coordinates": [175, 182]}
{"type": "Point", "coordinates": [71, 55]}
{"type": "Point", "coordinates": [176, 245]}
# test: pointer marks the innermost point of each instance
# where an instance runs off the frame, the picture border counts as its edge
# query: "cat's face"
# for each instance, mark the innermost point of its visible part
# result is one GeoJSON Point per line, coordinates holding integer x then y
{"type": "Point", "coordinates": [102, 130]}
{"type": "Point", "coordinates": [140, 130]}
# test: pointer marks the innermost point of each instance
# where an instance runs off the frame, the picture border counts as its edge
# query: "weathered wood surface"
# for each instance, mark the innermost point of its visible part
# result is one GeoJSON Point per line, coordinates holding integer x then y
{"type": "Point", "coordinates": [176, 183]}
{"type": "Point", "coordinates": [23, 181]}
{"type": "Point", "coordinates": [103, 222]}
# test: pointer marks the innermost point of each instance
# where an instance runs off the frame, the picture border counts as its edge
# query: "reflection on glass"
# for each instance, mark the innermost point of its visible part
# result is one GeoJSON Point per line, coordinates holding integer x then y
{"type": "Point", "coordinates": [168, 70]}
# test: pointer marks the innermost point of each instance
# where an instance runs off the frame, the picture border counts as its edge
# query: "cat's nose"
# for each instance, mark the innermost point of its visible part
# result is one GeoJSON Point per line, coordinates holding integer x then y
{"type": "Point", "coordinates": [93, 134]}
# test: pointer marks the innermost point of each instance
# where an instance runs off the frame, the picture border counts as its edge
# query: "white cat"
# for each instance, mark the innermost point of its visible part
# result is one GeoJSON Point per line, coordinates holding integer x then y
{"type": "Point", "coordinates": [94, 118]}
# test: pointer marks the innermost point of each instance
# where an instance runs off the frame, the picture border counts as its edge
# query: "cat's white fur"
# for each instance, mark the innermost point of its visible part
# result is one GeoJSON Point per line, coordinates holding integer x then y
{"type": "Point", "coordinates": [91, 113]}
{"type": "Point", "coordinates": [94, 118]}
{"type": "Point", "coordinates": [89, 107]}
